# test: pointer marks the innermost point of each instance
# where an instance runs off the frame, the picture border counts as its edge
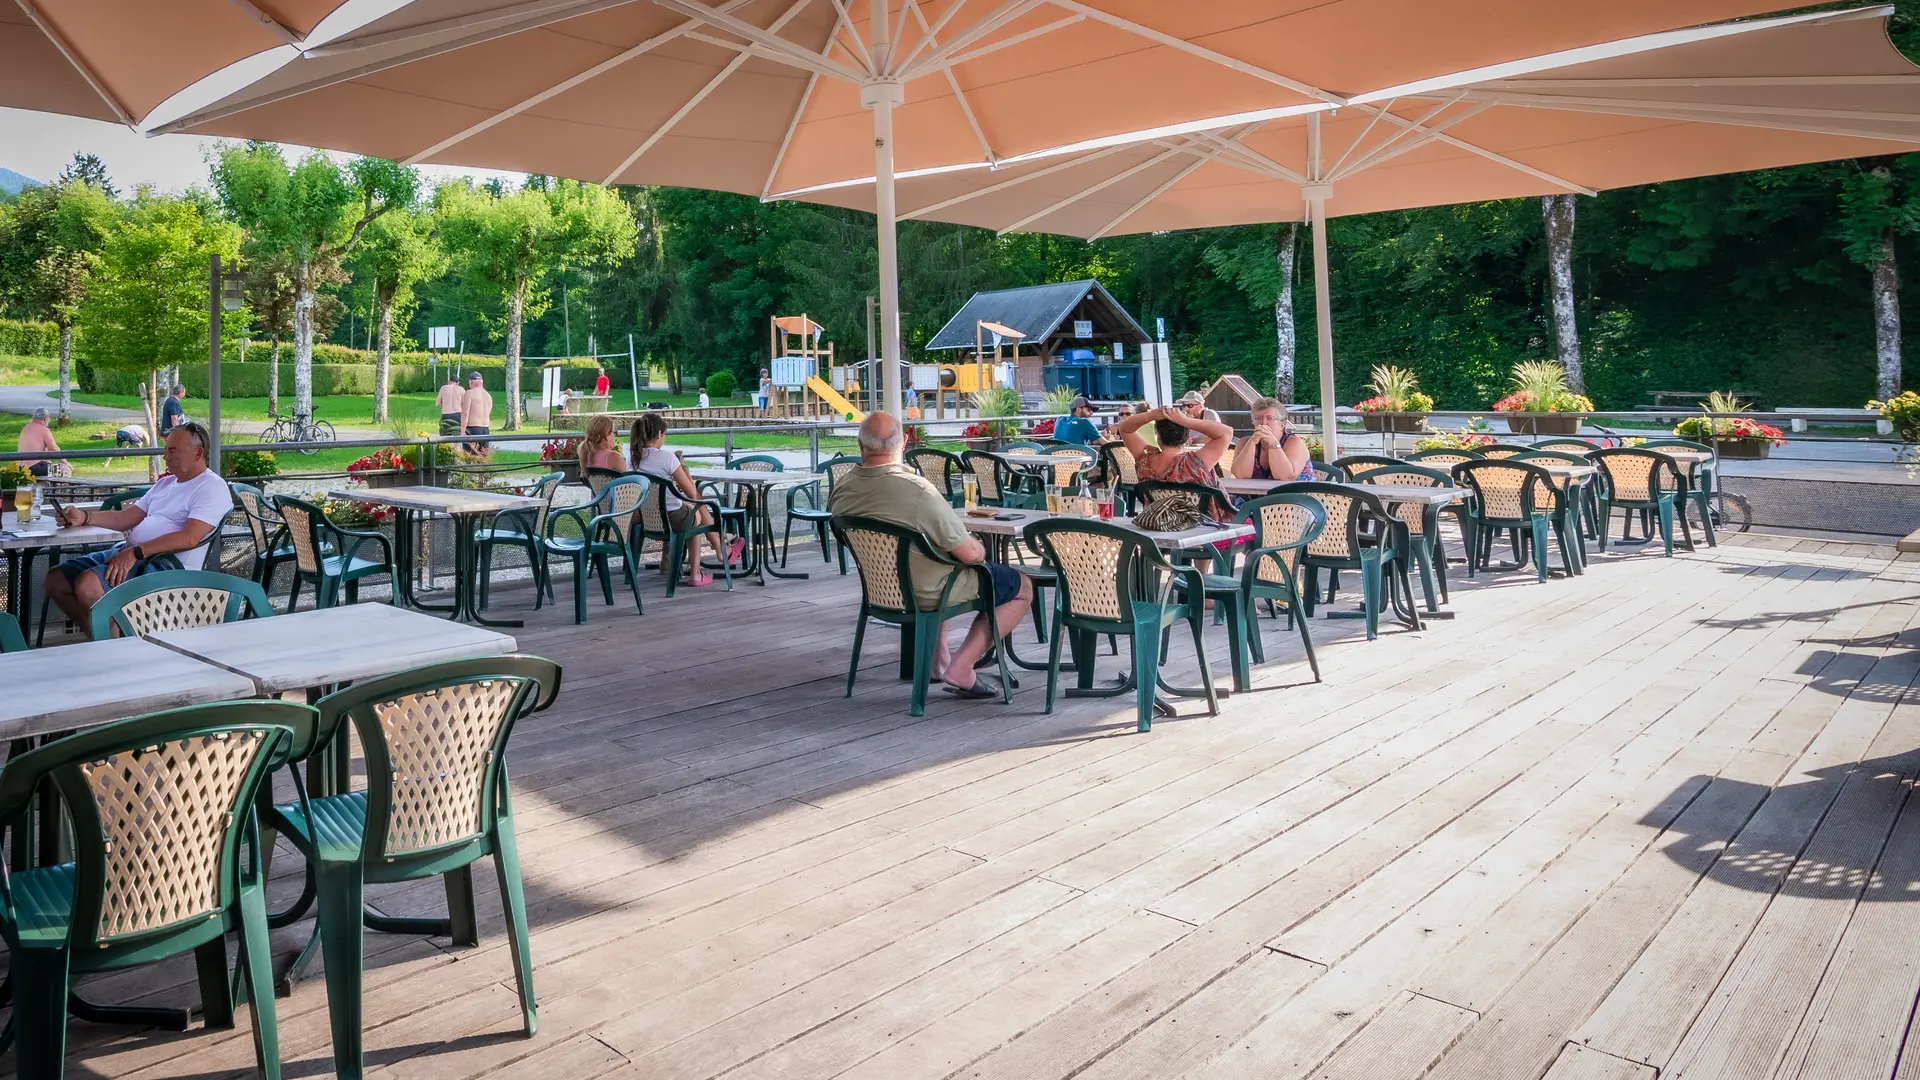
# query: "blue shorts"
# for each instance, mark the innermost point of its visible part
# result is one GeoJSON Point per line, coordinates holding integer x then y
{"type": "Point", "coordinates": [1006, 582]}
{"type": "Point", "coordinates": [96, 564]}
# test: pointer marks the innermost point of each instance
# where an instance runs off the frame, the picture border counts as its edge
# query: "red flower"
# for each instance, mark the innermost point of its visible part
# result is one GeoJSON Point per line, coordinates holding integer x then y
{"type": "Point", "coordinates": [559, 449]}
{"type": "Point", "coordinates": [1044, 427]}
{"type": "Point", "coordinates": [1518, 401]}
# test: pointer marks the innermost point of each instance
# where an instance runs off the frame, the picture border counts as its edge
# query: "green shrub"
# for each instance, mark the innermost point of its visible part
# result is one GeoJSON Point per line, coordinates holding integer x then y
{"type": "Point", "coordinates": [244, 464]}
{"type": "Point", "coordinates": [22, 338]}
{"type": "Point", "coordinates": [720, 384]}
{"type": "Point", "coordinates": [250, 380]}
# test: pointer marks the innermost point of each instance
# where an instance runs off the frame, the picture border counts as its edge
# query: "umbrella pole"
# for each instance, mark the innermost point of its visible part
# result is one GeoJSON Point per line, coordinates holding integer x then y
{"type": "Point", "coordinates": [881, 95]}
{"type": "Point", "coordinates": [1323, 315]}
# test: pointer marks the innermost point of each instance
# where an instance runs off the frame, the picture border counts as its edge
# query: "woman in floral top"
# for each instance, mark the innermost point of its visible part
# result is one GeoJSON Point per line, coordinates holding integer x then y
{"type": "Point", "coordinates": [1190, 446]}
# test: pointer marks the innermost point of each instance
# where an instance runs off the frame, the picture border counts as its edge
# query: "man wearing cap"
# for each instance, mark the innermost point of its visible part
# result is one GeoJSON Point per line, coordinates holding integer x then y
{"type": "Point", "coordinates": [1076, 428]}
{"type": "Point", "coordinates": [476, 411]}
{"type": "Point", "coordinates": [35, 438]}
{"type": "Point", "coordinates": [1194, 404]}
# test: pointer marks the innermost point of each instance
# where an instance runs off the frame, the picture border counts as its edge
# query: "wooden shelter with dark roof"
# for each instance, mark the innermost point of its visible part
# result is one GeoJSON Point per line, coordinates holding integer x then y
{"type": "Point", "coordinates": [1046, 315]}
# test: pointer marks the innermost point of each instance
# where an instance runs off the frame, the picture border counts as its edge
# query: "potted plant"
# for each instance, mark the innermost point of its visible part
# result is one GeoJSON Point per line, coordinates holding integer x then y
{"type": "Point", "coordinates": [1396, 390]}
{"type": "Point", "coordinates": [13, 477]}
{"type": "Point", "coordinates": [1540, 386]}
{"type": "Point", "coordinates": [999, 406]}
{"type": "Point", "coordinates": [248, 464]}
{"type": "Point", "coordinates": [1903, 411]}
{"type": "Point", "coordinates": [1471, 437]}
{"type": "Point", "coordinates": [1731, 437]}
{"type": "Point", "coordinates": [385, 467]}
{"type": "Point", "coordinates": [562, 456]}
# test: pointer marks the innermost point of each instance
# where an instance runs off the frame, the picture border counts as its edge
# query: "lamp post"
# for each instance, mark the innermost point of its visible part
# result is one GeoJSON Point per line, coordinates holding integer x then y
{"type": "Point", "coordinates": [224, 293]}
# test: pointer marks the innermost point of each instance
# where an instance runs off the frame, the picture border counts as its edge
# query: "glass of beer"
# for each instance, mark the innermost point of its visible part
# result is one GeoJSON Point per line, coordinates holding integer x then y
{"type": "Point", "coordinates": [970, 489]}
{"type": "Point", "coordinates": [23, 504]}
{"type": "Point", "coordinates": [1053, 498]}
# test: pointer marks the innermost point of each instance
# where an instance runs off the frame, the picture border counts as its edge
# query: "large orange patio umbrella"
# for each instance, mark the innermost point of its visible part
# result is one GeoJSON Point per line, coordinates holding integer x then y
{"type": "Point", "coordinates": [1721, 99]}
{"type": "Point", "coordinates": [767, 96]}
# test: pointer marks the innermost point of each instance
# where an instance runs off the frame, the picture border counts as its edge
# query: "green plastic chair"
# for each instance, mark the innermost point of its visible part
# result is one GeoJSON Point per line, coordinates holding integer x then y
{"type": "Point", "coordinates": [1568, 446]}
{"type": "Point", "coordinates": [436, 800]}
{"type": "Point", "coordinates": [1113, 580]}
{"type": "Point", "coordinates": [1700, 495]}
{"type": "Point", "coordinates": [656, 524]}
{"type": "Point", "coordinates": [11, 637]}
{"type": "Point", "coordinates": [1357, 466]}
{"type": "Point", "coordinates": [1359, 534]}
{"type": "Point", "coordinates": [523, 529]}
{"type": "Point", "coordinates": [1117, 468]}
{"type": "Point", "coordinates": [1442, 459]}
{"type": "Point", "coordinates": [808, 503]}
{"type": "Point", "coordinates": [328, 556]}
{"type": "Point", "coordinates": [1422, 521]}
{"type": "Point", "coordinates": [999, 483]}
{"type": "Point", "coordinates": [887, 555]}
{"type": "Point", "coordinates": [1283, 527]}
{"type": "Point", "coordinates": [733, 514]}
{"type": "Point", "coordinates": [1071, 477]}
{"type": "Point", "coordinates": [176, 600]}
{"type": "Point", "coordinates": [940, 468]}
{"type": "Point", "coordinates": [1639, 480]}
{"type": "Point", "coordinates": [1024, 446]}
{"type": "Point", "coordinates": [271, 548]}
{"type": "Point", "coordinates": [1502, 451]}
{"type": "Point", "coordinates": [605, 527]}
{"type": "Point", "coordinates": [134, 892]}
{"type": "Point", "coordinates": [1515, 495]}
{"type": "Point", "coordinates": [1329, 474]}
{"type": "Point", "coordinates": [597, 478]}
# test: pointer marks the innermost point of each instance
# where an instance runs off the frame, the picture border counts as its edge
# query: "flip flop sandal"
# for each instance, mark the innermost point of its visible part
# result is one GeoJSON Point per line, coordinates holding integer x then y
{"type": "Point", "coordinates": [982, 688]}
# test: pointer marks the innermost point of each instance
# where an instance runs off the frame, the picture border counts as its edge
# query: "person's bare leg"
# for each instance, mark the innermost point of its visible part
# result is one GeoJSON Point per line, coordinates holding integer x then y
{"type": "Point", "coordinates": [942, 656]}
{"type": "Point", "coordinates": [75, 600]}
{"type": "Point", "coordinates": [959, 670]}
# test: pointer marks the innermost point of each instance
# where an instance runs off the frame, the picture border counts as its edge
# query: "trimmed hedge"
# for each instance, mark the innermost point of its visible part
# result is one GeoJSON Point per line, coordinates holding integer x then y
{"type": "Point", "coordinates": [22, 338]}
{"type": "Point", "coordinates": [250, 380]}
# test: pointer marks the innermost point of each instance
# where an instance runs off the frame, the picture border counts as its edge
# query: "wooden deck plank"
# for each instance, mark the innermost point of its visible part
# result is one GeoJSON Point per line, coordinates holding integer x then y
{"type": "Point", "coordinates": [1400, 1043]}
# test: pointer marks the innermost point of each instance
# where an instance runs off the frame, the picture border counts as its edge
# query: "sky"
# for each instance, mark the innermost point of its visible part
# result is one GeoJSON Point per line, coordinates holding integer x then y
{"type": "Point", "coordinates": [39, 145]}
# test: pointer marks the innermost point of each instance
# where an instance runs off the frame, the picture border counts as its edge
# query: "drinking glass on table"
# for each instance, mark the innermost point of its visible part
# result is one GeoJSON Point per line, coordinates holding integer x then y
{"type": "Point", "coordinates": [1053, 498]}
{"type": "Point", "coordinates": [1103, 498]}
{"type": "Point", "coordinates": [23, 503]}
{"type": "Point", "coordinates": [970, 490]}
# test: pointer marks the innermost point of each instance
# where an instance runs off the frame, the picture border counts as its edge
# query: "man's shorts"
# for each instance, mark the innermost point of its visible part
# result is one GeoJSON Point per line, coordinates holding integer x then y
{"type": "Point", "coordinates": [96, 564]}
{"type": "Point", "coordinates": [450, 423]}
{"type": "Point", "coordinates": [1006, 583]}
{"type": "Point", "coordinates": [478, 430]}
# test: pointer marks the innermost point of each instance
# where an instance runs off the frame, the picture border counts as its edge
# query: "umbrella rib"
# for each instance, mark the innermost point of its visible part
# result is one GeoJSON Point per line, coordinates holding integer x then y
{"type": "Point", "coordinates": [269, 23]}
{"type": "Point", "coordinates": [1364, 132]}
{"type": "Point", "coordinates": [813, 79]}
{"type": "Point", "coordinates": [907, 70]}
{"type": "Point", "coordinates": [344, 45]}
{"type": "Point", "coordinates": [1249, 158]}
{"type": "Point", "coordinates": [1202, 52]}
{"type": "Point", "coordinates": [1024, 35]}
{"type": "Point", "coordinates": [1418, 126]}
{"type": "Point", "coordinates": [1460, 144]}
{"type": "Point", "coordinates": [779, 48]}
{"type": "Point", "coordinates": [1013, 182]}
{"type": "Point", "coordinates": [1154, 194]}
{"type": "Point", "coordinates": [60, 42]}
{"type": "Point", "coordinates": [1096, 189]}
{"type": "Point", "coordinates": [1731, 108]}
{"type": "Point", "coordinates": [1705, 80]}
{"type": "Point", "coordinates": [859, 49]}
{"type": "Point", "coordinates": [559, 88]}
{"type": "Point", "coordinates": [1774, 123]}
{"type": "Point", "coordinates": [694, 101]}
{"type": "Point", "coordinates": [966, 107]}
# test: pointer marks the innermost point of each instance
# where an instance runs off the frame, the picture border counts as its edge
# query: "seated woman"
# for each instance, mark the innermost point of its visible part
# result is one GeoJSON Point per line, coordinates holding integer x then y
{"type": "Point", "coordinates": [1180, 458]}
{"type": "Point", "coordinates": [1273, 451]}
{"type": "Point", "coordinates": [601, 447]}
{"type": "Point", "coordinates": [649, 456]}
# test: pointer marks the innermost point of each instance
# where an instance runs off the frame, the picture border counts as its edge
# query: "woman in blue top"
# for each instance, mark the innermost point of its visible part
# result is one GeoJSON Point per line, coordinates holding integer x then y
{"type": "Point", "coordinates": [1273, 451]}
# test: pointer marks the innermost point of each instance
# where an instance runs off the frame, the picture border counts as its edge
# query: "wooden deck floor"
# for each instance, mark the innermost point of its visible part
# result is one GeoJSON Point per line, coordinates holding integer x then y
{"type": "Point", "coordinates": [1651, 822]}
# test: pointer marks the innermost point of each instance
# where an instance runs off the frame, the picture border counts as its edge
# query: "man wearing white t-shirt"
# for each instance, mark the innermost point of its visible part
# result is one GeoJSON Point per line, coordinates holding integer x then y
{"type": "Point", "coordinates": [167, 529]}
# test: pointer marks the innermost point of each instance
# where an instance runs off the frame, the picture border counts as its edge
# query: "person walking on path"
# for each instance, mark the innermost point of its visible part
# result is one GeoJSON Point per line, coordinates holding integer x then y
{"type": "Point", "coordinates": [452, 402]}
{"type": "Point", "coordinates": [476, 412]}
{"type": "Point", "coordinates": [172, 413]}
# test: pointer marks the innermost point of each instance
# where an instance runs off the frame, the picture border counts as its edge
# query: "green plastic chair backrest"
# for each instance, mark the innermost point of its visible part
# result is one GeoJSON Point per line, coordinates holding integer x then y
{"type": "Point", "coordinates": [176, 600]}
{"type": "Point", "coordinates": [544, 488]}
{"type": "Point", "coordinates": [435, 740]}
{"type": "Point", "coordinates": [11, 638]}
{"type": "Point", "coordinates": [307, 529]}
{"type": "Point", "coordinates": [1023, 446]}
{"type": "Point", "coordinates": [1401, 474]}
{"type": "Point", "coordinates": [598, 478]}
{"type": "Point", "coordinates": [991, 470]}
{"type": "Point", "coordinates": [1118, 464]}
{"type": "Point", "coordinates": [1684, 444]}
{"type": "Point", "coordinates": [1552, 455]}
{"type": "Point", "coordinates": [160, 805]}
{"type": "Point", "coordinates": [1213, 502]}
{"type": "Point", "coordinates": [832, 469]}
{"type": "Point", "coordinates": [938, 467]}
{"type": "Point", "coordinates": [119, 499]}
{"type": "Point", "coordinates": [1103, 569]}
{"type": "Point", "coordinates": [1329, 474]}
{"type": "Point", "coordinates": [1570, 446]}
{"type": "Point", "coordinates": [624, 498]}
{"type": "Point", "coordinates": [890, 559]}
{"type": "Point", "coordinates": [1444, 457]}
{"type": "Point", "coordinates": [262, 522]}
{"type": "Point", "coordinates": [1076, 456]}
{"type": "Point", "coordinates": [1349, 514]}
{"type": "Point", "coordinates": [758, 463]}
{"type": "Point", "coordinates": [1286, 521]}
{"type": "Point", "coordinates": [1500, 451]}
{"type": "Point", "coordinates": [1507, 490]}
{"type": "Point", "coordinates": [1358, 465]}
{"type": "Point", "coordinates": [1637, 475]}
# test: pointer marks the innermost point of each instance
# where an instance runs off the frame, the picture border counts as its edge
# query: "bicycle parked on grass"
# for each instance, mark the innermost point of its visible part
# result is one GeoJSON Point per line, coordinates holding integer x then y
{"type": "Point", "coordinates": [303, 428]}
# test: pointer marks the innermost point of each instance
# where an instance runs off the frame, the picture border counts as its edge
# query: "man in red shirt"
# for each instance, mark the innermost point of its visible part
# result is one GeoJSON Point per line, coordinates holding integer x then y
{"type": "Point", "coordinates": [602, 385]}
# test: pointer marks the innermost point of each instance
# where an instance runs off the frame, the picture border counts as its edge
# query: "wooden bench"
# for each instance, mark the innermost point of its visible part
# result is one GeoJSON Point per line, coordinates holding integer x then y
{"type": "Point", "coordinates": [1835, 416]}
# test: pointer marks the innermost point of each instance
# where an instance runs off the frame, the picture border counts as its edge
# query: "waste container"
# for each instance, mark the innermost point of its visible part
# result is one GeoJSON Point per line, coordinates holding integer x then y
{"type": "Point", "coordinates": [1116, 382]}
{"type": "Point", "coordinates": [1074, 377]}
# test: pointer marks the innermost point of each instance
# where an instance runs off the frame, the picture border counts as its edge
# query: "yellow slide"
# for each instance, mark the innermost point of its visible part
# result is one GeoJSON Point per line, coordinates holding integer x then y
{"type": "Point", "coordinates": [835, 401]}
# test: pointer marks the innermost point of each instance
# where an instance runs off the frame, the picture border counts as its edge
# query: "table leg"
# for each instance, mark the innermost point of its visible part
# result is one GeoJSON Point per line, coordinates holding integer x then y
{"type": "Point", "coordinates": [763, 540]}
{"type": "Point", "coordinates": [404, 525]}
{"type": "Point", "coordinates": [466, 565]}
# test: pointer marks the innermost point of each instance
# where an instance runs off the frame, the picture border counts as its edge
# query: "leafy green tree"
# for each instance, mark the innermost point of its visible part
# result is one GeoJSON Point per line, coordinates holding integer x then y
{"type": "Point", "coordinates": [147, 308]}
{"type": "Point", "coordinates": [507, 244]}
{"type": "Point", "coordinates": [50, 241]}
{"type": "Point", "coordinates": [397, 252]}
{"type": "Point", "coordinates": [88, 169]}
{"type": "Point", "coordinates": [1879, 201]}
{"type": "Point", "coordinates": [313, 215]}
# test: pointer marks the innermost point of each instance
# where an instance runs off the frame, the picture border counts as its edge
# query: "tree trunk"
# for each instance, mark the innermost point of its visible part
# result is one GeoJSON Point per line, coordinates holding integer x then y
{"type": "Point", "coordinates": [516, 310]}
{"type": "Point", "coordinates": [273, 377]}
{"type": "Point", "coordinates": [303, 300]}
{"type": "Point", "coordinates": [1285, 247]}
{"type": "Point", "coordinates": [382, 353]}
{"type": "Point", "coordinates": [1557, 210]}
{"type": "Point", "coordinates": [150, 404]}
{"type": "Point", "coordinates": [66, 371]}
{"type": "Point", "coordinates": [1886, 317]}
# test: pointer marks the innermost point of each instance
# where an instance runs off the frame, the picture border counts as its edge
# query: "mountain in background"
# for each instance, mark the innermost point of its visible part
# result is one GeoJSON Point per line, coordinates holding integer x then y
{"type": "Point", "coordinates": [12, 182]}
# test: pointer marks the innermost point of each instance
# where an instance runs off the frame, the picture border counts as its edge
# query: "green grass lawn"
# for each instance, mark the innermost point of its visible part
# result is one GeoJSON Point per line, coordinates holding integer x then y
{"type": "Point", "coordinates": [340, 410]}
{"type": "Point", "coordinates": [28, 370]}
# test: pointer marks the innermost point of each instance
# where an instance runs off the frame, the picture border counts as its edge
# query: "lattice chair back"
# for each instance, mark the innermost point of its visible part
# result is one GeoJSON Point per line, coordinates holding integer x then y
{"type": "Point", "coordinates": [160, 805]}
{"type": "Point", "coordinates": [1403, 475]}
{"type": "Point", "coordinates": [1350, 520]}
{"type": "Point", "coordinates": [1023, 446]}
{"type": "Point", "coordinates": [262, 522]}
{"type": "Point", "coordinates": [1287, 522]}
{"type": "Point", "coordinates": [597, 478]}
{"type": "Point", "coordinates": [544, 489]}
{"type": "Point", "coordinates": [891, 558]}
{"type": "Point", "coordinates": [435, 740]}
{"type": "Point", "coordinates": [1102, 570]}
{"type": "Point", "coordinates": [1553, 456]}
{"type": "Point", "coordinates": [1359, 465]}
{"type": "Point", "coordinates": [1119, 463]}
{"type": "Point", "coordinates": [1075, 459]}
{"type": "Point", "coordinates": [758, 463]}
{"type": "Point", "coordinates": [1502, 451]}
{"type": "Point", "coordinates": [653, 509]}
{"type": "Point", "coordinates": [176, 600]}
{"type": "Point", "coordinates": [1635, 475]}
{"type": "Point", "coordinates": [1508, 491]}
{"type": "Point", "coordinates": [1567, 446]}
{"type": "Point", "coordinates": [987, 470]}
{"type": "Point", "coordinates": [1677, 444]}
{"type": "Point", "coordinates": [937, 466]}
{"type": "Point", "coordinates": [624, 496]}
{"type": "Point", "coordinates": [1328, 474]}
{"type": "Point", "coordinates": [305, 524]}
{"type": "Point", "coordinates": [1442, 459]}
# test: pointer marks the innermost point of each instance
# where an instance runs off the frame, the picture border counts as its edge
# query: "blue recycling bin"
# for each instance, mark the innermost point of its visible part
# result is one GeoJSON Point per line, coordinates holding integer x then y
{"type": "Point", "coordinates": [1116, 382]}
{"type": "Point", "coordinates": [1075, 377]}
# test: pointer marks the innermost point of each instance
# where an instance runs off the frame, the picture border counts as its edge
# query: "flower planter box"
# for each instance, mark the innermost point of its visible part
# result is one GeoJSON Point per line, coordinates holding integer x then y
{"type": "Point", "coordinates": [1747, 449]}
{"type": "Point", "coordinates": [1567, 424]}
{"type": "Point", "coordinates": [1408, 424]}
{"type": "Point", "coordinates": [568, 468]}
{"type": "Point", "coordinates": [387, 479]}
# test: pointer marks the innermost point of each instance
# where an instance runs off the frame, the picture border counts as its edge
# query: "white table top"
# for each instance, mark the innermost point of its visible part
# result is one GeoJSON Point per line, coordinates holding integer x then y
{"type": "Point", "coordinates": [1200, 536]}
{"type": "Point", "coordinates": [1084, 461]}
{"type": "Point", "coordinates": [1561, 470]}
{"type": "Point", "coordinates": [1391, 493]}
{"type": "Point", "coordinates": [94, 682]}
{"type": "Point", "coordinates": [438, 500]}
{"type": "Point", "coordinates": [76, 537]}
{"type": "Point", "coordinates": [329, 645]}
{"type": "Point", "coordinates": [753, 476]}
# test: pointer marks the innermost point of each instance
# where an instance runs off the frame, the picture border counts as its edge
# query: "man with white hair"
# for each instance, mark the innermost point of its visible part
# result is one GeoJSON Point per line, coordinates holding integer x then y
{"type": "Point", "coordinates": [883, 488]}
{"type": "Point", "coordinates": [37, 438]}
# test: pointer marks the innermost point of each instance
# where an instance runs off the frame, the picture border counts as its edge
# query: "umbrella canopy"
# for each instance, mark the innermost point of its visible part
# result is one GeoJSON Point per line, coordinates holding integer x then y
{"type": "Point", "coordinates": [767, 96]}
{"type": "Point", "coordinates": [116, 60]}
{"type": "Point", "coordinates": [1742, 96]}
